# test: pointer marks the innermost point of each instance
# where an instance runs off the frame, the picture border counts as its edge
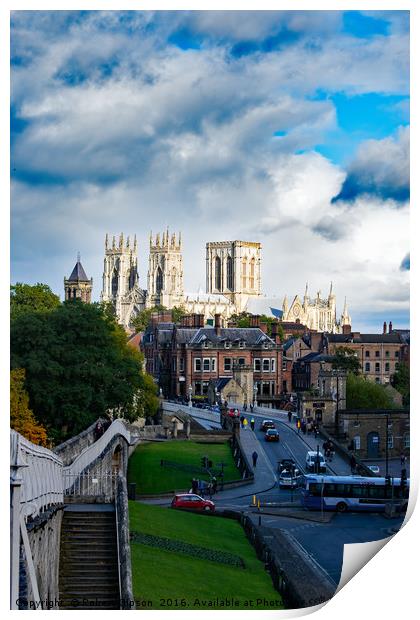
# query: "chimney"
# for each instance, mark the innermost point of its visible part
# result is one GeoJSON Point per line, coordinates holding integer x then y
{"type": "Point", "coordinates": [217, 324]}
{"type": "Point", "coordinates": [199, 320]}
{"type": "Point", "coordinates": [263, 327]}
{"type": "Point", "coordinates": [384, 330]}
{"type": "Point", "coordinates": [255, 320]}
{"type": "Point", "coordinates": [275, 332]}
{"type": "Point", "coordinates": [390, 327]}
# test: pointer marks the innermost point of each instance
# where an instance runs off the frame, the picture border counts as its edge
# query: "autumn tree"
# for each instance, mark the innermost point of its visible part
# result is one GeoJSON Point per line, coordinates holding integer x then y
{"type": "Point", "coordinates": [22, 418]}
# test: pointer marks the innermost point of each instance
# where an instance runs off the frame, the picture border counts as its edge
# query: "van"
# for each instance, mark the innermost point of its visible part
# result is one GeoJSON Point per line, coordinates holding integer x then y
{"type": "Point", "coordinates": [311, 462]}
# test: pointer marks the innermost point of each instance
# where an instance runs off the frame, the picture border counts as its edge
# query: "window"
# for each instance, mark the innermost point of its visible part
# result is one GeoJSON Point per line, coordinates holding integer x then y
{"type": "Point", "coordinates": [257, 364]}
{"type": "Point", "coordinates": [377, 353]}
{"type": "Point", "coordinates": [241, 361]}
{"type": "Point", "coordinates": [356, 442]}
{"type": "Point", "coordinates": [205, 388]}
{"type": "Point", "coordinates": [377, 380]}
{"type": "Point", "coordinates": [218, 273]}
{"type": "Point", "coordinates": [390, 442]}
{"type": "Point", "coordinates": [266, 365]}
{"type": "Point", "coordinates": [266, 388]}
{"type": "Point", "coordinates": [367, 354]}
{"type": "Point", "coordinates": [241, 344]}
{"type": "Point", "coordinates": [213, 364]}
{"type": "Point", "coordinates": [273, 364]}
{"type": "Point", "coordinates": [386, 353]}
{"type": "Point", "coordinates": [266, 344]}
{"type": "Point", "coordinates": [159, 281]}
{"type": "Point", "coordinates": [229, 270]}
{"type": "Point", "coordinates": [386, 366]}
{"type": "Point", "coordinates": [197, 388]}
{"type": "Point", "coordinates": [174, 364]}
{"type": "Point", "coordinates": [367, 367]}
{"type": "Point", "coordinates": [406, 440]}
{"type": "Point", "coordinates": [377, 367]}
{"type": "Point", "coordinates": [284, 365]}
{"type": "Point", "coordinates": [197, 364]}
{"type": "Point", "coordinates": [206, 364]}
{"type": "Point", "coordinates": [227, 344]}
{"type": "Point", "coordinates": [181, 364]}
{"type": "Point", "coordinates": [397, 354]}
{"type": "Point", "coordinates": [228, 363]}
{"type": "Point", "coordinates": [205, 344]}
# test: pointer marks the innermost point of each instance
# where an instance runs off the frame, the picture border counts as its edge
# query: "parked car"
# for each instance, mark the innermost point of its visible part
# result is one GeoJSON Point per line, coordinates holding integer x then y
{"type": "Point", "coordinates": [266, 424]}
{"type": "Point", "coordinates": [375, 469]}
{"type": "Point", "coordinates": [190, 501]}
{"type": "Point", "coordinates": [311, 462]}
{"type": "Point", "coordinates": [272, 435]}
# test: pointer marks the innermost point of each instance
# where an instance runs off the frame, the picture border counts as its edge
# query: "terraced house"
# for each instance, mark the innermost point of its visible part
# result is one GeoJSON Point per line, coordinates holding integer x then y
{"type": "Point", "coordinates": [184, 358]}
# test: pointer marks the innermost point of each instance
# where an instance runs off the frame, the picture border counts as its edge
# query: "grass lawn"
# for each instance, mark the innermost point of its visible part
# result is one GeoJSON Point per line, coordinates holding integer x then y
{"type": "Point", "coordinates": [145, 470]}
{"type": "Point", "coordinates": [172, 580]}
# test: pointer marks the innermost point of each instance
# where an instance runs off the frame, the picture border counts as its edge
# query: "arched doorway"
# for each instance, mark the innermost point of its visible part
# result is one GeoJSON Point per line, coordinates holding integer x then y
{"type": "Point", "coordinates": [373, 445]}
{"type": "Point", "coordinates": [117, 459]}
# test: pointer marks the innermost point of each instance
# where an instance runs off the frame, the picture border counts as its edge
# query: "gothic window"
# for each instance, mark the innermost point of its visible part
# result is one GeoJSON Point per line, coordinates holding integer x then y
{"type": "Point", "coordinates": [218, 273]}
{"type": "Point", "coordinates": [229, 269]}
{"type": "Point", "coordinates": [159, 281]}
{"type": "Point", "coordinates": [114, 283]}
{"type": "Point", "coordinates": [132, 278]}
{"type": "Point", "coordinates": [252, 274]}
{"type": "Point", "coordinates": [244, 270]}
{"type": "Point", "coordinates": [173, 280]}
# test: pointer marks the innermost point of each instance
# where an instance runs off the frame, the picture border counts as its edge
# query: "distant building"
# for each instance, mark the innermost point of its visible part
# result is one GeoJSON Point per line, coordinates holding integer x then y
{"type": "Point", "coordinates": [78, 285]}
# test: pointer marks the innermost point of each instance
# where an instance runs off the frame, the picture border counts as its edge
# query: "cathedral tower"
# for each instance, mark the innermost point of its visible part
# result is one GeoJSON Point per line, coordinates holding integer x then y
{"type": "Point", "coordinates": [78, 286]}
{"type": "Point", "coordinates": [165, 278]}
{"type": "Point", "coordinates": [120, 275]}
{"type": "Point", "coordinates": [234, 270]}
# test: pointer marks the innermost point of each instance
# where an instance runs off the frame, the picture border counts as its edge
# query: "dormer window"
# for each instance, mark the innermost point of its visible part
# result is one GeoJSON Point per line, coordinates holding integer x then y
{"type": "Point", "coordinates": [241, 344]}
{"type": "Point", "coordinates": [205, 344]}
{"type": "Point", "coordinates": [227, 344]}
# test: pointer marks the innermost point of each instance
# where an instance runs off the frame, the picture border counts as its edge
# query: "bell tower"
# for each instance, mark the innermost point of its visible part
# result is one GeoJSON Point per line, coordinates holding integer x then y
{"type": "Point", "coordinates": [78, 285]}
{"type": "Point", "coordinates": [120, 270]}
{"type": "Point", "coordinates": [165, 277]}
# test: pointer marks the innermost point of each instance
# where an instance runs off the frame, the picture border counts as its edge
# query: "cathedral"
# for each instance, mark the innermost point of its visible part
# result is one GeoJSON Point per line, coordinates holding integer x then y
{"type": "Point", "coordinates": [233, 284]}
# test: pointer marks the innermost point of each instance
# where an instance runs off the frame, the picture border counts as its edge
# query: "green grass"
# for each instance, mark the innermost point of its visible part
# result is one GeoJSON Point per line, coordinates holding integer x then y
{"type": "Point", "coordinates": [171, 580]}
{"type": "Point", "coordinates": [145, 470]}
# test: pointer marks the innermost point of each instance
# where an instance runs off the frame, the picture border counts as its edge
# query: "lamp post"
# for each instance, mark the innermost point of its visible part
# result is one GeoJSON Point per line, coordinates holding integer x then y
{"type": "Point", "coordinates": [190, 394]}
{"type": "Point", "coordinates": [255, 395]}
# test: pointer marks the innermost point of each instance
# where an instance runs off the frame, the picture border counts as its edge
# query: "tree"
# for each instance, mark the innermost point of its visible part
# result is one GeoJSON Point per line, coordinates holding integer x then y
{"type": "Point", "coordinates": [22, 418]}
{"type": "Point", "coordinates": [364, 394]}
{"type": "Point", "coordinates": [78, 367]}
{"type": "Point", "coordinates": [177, 313]}
{"type": "Point", "coordinates": [26, 298]}
{"type": "Point", "coordinates": [401, 382]}
{"type": "Point", "coordinates": [346, 359]}
{"type": "Point", "coordinates": [142, 320]}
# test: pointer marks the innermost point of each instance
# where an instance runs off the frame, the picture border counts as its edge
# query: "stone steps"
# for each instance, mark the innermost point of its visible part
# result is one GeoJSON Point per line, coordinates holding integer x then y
{"type": "Point", "coordinates": [88, 576]}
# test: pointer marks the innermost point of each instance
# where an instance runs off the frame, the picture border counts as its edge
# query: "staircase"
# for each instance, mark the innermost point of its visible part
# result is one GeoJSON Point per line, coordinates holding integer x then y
{"type": "Point", "coordinates": [88, 577]}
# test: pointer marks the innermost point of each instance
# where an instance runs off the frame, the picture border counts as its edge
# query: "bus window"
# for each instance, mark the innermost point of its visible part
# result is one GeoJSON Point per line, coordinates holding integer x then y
{"type": "Point", "coordinates": [360, 491]}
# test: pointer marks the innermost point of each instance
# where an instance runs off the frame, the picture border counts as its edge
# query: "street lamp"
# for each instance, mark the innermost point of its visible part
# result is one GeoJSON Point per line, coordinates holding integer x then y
{"type": "Point", "coordinates": [255, 395]}
{"type": "Point", "coordinates": [190, 394]}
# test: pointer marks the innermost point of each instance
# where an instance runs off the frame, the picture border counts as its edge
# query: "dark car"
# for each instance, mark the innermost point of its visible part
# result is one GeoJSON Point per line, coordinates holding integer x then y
{"type": "Point", "coordinates": [272, 435]}
{"type": "Point", "coordinates": [266, 424]}
{"type": "Point", "coordinates": [190, 501]}
{"type": "Point", "coordinates": [286, 464]}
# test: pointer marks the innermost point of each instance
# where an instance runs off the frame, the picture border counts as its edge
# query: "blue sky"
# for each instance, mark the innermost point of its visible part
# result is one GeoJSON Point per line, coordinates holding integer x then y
{"type": "Point", "coordinates": [285, 127]}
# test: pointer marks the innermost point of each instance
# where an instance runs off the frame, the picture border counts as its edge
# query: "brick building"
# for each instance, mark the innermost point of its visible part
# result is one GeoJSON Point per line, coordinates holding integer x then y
{"type": "Point", "coordinates": [185, 357]}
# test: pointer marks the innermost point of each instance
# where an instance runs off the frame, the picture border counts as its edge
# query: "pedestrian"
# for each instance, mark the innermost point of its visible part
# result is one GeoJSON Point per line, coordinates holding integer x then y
{"type": "Point", "coordinates": [245, 423]}
{"type": "Point", "coordinates": [352, 463]}
{"type": "Point", "coordinates": [403, 459]}
{"type": "Point", "coordinates": [252, 424]}
{"type": "Point", "coordinates": [254, 458]}
{"type": "Point", "coordinates": [251, 407]}
{"type": "Point", "coordinates": [298, 425]}
{"type": "Point", "coordinates": [245, 406]}
{"type": "Point", "coordinates": [289, 416]}
{"type": "Point", "coordinates": [242, 418]}
{"type": "Point", "coordinates": [316, 431]}
{"type": "Point", "coordinates": [304, 427]}
{"type": "Point", "coordinates": [194, 486]}
{"type": "Point", "coordinates": [98, 430]}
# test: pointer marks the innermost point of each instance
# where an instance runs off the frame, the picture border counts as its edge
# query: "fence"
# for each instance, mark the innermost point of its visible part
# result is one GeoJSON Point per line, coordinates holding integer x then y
{"type": "Point", "coordinates": [90, 484]}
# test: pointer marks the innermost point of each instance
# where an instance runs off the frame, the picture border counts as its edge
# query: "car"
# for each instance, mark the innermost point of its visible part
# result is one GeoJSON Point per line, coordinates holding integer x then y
{"type": "Point", "coordinates": [375, 469]}
{"type": "Point", "coordinates": [285, 464]}
{"type": "Point", "coordinates": [266, 424]}
{"type": "Point", "coordinates": [289, 478]}
{"type": "Point", "coordinates": [191, 501]}
{"type": "Point", "coordinates": [272, 435]}
{"type": "Point", "coordinates": [311, 462]}
{"type": "Point", "coordinates": [233, 413]}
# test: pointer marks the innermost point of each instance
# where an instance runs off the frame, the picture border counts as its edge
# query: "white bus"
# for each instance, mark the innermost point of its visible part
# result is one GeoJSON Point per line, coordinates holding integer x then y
{"type": "Point", "coordinates": [342, 493]}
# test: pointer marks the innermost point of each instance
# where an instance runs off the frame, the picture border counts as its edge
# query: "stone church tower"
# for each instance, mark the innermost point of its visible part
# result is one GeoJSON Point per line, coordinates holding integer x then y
{"type": "Point", "coordinates": [78, 285]}
{"type": "Point", "coordinates": [165, 278]}
{"type": "Point", "coordinates": [234, 270]}
{"type": "Point", "coordinates": [120, 277]}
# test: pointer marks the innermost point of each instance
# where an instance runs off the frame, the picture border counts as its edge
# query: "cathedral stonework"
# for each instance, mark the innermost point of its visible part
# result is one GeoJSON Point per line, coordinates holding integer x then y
{"type": "Point", "coordinates": [233, 283]}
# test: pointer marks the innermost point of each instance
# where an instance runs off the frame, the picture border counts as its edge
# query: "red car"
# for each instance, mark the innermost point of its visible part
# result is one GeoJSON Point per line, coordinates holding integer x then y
{"type": "Point", "coordinates": [190, 501]}
{"type": "Point", "coordinates": [272, 435]}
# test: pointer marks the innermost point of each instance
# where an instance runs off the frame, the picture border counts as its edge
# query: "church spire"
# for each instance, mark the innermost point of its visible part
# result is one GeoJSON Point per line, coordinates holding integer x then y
{"type": "Point", "coordinates": [285, 306]}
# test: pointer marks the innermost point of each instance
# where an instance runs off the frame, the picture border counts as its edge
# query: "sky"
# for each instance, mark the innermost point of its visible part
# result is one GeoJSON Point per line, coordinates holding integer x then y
{"type": "Point", "coordinates": [286, 127]}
